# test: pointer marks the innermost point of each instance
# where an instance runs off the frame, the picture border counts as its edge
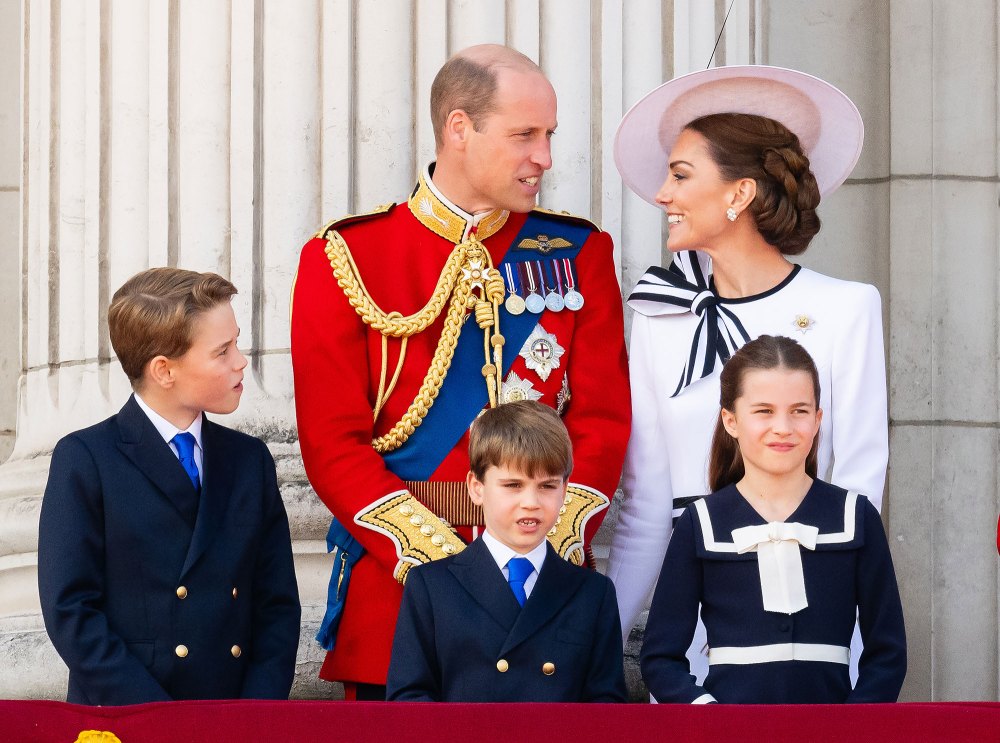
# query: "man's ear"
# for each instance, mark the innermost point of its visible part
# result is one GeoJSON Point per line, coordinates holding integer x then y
{"type": "Point", "coordinates": [457, 128]}
{"type": "Point", "coordinates": [475, 488]}
{"type": "Point", "coordinates": [160, 371]}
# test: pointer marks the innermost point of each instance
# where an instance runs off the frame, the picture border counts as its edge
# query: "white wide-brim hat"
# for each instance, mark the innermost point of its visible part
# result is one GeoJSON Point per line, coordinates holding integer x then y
{"type": "Point", "coordinates": [826, 121]}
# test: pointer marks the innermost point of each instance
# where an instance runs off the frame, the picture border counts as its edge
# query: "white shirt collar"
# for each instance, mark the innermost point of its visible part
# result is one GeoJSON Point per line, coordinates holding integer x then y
{"type": "Point", "coordinates": [165, 428]}
{"type": "Point", "coordinates": [471, 220]}
{"type": "Point", "coordinates": [502, 553]}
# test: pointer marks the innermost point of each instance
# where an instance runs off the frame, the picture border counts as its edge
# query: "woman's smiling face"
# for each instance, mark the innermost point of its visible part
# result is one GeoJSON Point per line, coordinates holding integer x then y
{"type": "Point", "coordinates": [694, 195]}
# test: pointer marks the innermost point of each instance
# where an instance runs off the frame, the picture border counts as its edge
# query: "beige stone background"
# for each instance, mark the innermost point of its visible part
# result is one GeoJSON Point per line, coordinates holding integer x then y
{"type": "Point", "coordinates": [218, 134]}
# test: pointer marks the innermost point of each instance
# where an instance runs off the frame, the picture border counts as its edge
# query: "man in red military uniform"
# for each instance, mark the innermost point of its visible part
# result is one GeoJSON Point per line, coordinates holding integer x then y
{"type": "Point", "coordinates": [410, 320]}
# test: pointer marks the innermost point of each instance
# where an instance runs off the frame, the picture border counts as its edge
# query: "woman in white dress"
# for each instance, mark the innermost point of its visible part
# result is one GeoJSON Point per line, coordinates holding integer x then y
{"type": "Point", "coordinates": [737, 158]}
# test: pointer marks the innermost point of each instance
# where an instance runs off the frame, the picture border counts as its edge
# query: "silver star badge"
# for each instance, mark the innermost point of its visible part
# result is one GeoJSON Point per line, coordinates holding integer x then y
{"type": "Point", "coordinates": [515, 388]}
{"type": "Point", "coordinates": [541, 352]}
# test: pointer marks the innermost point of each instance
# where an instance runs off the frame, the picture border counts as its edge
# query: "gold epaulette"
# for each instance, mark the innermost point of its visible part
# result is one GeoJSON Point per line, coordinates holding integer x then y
{"type": "Point", "coordinates": [419, 535]}
{"type": "Point", "coordinates": [566, 216]}
{"type": "Point", "coordinates": [347, 219]}
{"type": "Point", "coordinates": [566, 537]}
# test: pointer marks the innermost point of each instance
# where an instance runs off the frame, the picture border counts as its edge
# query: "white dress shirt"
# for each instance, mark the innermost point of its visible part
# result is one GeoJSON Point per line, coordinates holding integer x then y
{"type": "Point", "coordinates": [168, 430]}
{"type": "Point", "coordinates": [503, 554]}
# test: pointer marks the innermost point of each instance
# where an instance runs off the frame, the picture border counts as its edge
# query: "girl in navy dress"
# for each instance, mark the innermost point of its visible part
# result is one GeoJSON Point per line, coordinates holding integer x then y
{"type": "Point", "coordinates": [780, 562]}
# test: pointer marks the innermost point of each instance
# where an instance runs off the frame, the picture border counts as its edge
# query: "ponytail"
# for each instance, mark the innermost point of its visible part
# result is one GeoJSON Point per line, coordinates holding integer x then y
{"type": "Point", "coordinates": [725, 463]}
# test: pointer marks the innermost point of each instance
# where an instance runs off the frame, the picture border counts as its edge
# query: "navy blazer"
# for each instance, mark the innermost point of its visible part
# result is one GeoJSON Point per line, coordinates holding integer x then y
{"type": "Point", "coordinates": [146, 605]}
{"type": "Point", "coordinates": [462, 637]}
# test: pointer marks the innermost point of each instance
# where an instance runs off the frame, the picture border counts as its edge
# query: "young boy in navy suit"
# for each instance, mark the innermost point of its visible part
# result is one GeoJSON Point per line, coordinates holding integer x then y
{"type": "Point", "coordinates": [507, 620]}
{"type": "Point", "coordinates": [164, 558]}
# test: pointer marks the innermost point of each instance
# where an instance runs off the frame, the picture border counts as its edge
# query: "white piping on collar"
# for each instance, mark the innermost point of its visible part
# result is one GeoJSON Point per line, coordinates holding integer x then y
{"type": "Point", "coordinates": [847, 535]}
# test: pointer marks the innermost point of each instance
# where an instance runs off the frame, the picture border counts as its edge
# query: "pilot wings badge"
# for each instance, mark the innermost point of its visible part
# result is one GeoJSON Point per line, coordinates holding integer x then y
{"type": "Point", "coordinates": [543, 244]}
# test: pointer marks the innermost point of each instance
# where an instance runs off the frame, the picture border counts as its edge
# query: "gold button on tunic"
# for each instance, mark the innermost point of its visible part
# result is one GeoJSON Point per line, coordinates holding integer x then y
{"type": "Point", "coordinates": [502, 665]}
{"type": "Point", "coordinates": [182, 592]}
{"type": "Point", "coordinates": [181, 651]}
{"type": "Point", "coordinates": [548, 668]}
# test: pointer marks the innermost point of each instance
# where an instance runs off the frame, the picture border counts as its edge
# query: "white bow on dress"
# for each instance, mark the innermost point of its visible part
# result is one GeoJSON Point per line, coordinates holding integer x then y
{"type": "Point", "coordinates": [779, 561]}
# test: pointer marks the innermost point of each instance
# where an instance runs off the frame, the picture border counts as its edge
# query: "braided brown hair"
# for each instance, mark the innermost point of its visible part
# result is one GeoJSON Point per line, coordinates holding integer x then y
{"type": "Point", "coordinates": [749, 146]}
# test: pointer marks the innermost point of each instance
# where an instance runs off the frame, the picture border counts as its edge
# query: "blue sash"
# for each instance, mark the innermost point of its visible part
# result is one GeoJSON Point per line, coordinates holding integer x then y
{"type": "Point", "coordinates": [463, 393]}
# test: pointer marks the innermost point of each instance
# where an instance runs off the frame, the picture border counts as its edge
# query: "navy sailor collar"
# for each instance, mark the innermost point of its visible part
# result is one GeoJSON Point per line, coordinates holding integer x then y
{"type": "Point", "coordinates": [836, 512]}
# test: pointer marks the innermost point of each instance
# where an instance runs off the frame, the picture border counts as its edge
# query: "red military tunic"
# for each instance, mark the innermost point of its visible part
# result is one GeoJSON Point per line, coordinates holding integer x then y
{"type": "Point", "coordinates": [399, 253]}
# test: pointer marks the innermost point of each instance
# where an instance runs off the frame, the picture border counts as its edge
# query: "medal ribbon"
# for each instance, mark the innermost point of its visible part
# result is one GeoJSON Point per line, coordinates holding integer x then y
{"type": "Point", "coordinates": [544, 288]}
{"type": "Point", "coordinates": [511, 286]}
{"type": "Point", "coordinates": [568, 270]}
{"type": "Point", "coordinates": [462, 396]}
{"type": "Point", "coordinates": [532, 289]}
{"type": "Point", "coordinates": [559, 282]}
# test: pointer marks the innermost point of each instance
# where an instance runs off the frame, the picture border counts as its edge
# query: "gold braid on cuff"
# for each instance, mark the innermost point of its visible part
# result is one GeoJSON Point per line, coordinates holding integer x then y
{"type": "Point", "coordinates": [579, 505]}
{"type": "Point", "coordinates": [420, 536]}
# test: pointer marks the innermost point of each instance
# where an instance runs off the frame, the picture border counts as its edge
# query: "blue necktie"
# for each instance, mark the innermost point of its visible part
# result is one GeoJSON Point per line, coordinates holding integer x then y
{"type": "Point", "coordinates": [185, 452]}
{"type": "Point", "coordinates": [518, 570]}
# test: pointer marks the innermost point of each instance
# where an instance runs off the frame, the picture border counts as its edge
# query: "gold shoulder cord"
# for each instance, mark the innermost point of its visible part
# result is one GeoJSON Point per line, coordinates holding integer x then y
{"type": "Point", "coordinates": [469, 268]}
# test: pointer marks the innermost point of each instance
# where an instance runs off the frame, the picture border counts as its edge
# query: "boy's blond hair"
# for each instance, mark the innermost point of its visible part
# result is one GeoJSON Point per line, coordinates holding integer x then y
{"type": "Point", "coordinates": [153, 314]}
{"type": "Point", "coordinates": [525, 435]}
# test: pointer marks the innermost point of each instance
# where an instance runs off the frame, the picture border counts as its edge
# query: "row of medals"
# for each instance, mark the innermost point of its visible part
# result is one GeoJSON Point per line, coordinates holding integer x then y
{"type": "Point", "coordinates": [555, 299]}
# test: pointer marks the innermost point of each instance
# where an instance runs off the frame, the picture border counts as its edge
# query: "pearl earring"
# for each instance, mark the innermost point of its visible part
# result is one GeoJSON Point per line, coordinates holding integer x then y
{"type": "Point", "coordinates": [731, 214]}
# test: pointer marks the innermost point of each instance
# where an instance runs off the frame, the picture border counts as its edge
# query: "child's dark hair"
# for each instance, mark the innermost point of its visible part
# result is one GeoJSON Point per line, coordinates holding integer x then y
{"type": "Point", "coordinates": [525, 435]}
{"type": "Point", "coordinates": [725, 465]}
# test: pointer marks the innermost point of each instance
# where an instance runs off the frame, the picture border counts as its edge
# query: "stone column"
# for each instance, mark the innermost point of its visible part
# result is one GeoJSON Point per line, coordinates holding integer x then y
{"type": "Point", "coordinates": [944, 344]}
{"type": "Point", "coordinates": [918, 218]}
{"type": "Point", "coordinates": [845, 43]}
{"type": "Point", "coordinates": [144, 145]}
{"type": "Point", "coordinates": [10, 221]}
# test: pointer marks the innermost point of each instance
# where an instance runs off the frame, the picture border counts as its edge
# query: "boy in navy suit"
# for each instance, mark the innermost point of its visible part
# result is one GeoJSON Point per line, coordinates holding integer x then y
{"type": "Point", "coordinates": [164, 558]}
{"type": "Point", "coordinates": [507, 620]}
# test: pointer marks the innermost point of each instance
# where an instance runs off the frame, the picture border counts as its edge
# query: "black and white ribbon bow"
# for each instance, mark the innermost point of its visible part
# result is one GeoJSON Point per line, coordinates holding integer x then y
{"type": "Point", "coordinates": [684, 287]}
